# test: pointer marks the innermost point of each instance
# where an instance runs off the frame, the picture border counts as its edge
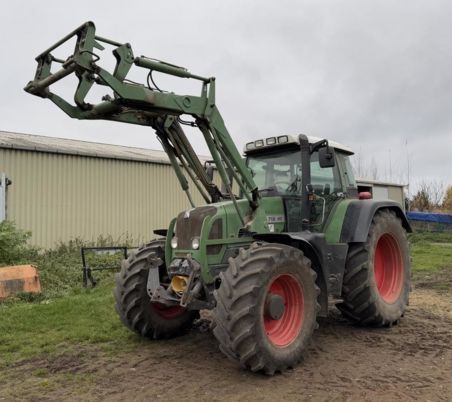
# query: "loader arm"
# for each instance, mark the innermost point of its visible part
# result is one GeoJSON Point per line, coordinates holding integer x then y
{"type": "Point", "coordinates": [147, 105]}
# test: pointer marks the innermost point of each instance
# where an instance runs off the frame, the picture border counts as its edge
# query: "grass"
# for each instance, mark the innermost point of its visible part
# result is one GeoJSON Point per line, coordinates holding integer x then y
{"type": "Point", "coordinates": [67, 317]}
{"type": "Point", "coordinates": [432, 259]}
{"type": "Point", "coordinates": [431, 252]}
{"type": "Point", "coordinates": [56, 325]}
{"type": "Point", "coordinates": [430, 237]}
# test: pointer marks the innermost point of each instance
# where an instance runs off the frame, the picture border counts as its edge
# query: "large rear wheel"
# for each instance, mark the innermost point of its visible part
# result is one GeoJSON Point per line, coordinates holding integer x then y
{"type": "Point", "coordinates": [266, 307]}
{"type": "Point", "coordinates": [133, 304]}
{"type": "Point", "coordinates": [377, 275]}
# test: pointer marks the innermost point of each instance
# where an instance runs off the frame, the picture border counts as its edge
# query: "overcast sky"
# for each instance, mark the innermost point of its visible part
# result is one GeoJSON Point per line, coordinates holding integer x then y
{"type": "Point", "coordinates": [374, 75]}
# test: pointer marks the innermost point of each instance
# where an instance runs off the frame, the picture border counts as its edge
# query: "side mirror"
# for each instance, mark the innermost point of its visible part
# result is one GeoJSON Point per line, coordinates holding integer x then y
{"type": "Point", "coordinates": [326, 157]}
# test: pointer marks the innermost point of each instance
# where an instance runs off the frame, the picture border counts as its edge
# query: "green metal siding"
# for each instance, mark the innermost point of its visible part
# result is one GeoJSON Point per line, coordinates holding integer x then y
{"type": "Point", "coordinates": [61, 197]}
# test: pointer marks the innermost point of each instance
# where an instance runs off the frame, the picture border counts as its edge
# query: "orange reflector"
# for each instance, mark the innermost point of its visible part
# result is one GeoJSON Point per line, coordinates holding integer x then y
{"type": "Point", "coordinates": [17, 279]}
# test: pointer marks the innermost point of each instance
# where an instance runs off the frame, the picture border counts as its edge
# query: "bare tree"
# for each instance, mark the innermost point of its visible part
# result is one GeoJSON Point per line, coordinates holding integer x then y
{"type": "Point", "coordinates": [429, 196]}
{"type": "Point", "coordinates": [365, 169]}
{"type": "Point", "coordinates": [373, 169]}
{"type": "Point", "coordinates": [447, 203]}
{"type": "Point", "coordinates": [420, 201]}
{"type": "Point", "coordinates": [437, 191]}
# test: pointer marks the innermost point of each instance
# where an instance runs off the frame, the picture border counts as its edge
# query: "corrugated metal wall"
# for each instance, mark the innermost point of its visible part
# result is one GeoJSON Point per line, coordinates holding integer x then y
{"type": "Point", "coordinates": [396, 193]}
{"type": "Point", "coordinates": [61, 197]}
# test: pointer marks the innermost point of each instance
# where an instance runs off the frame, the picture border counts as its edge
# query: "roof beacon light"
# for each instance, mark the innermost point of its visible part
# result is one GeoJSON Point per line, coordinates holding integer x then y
{"type": "Point", "coordinates": [283, 139]}
{"type": "Point", "coordinates": [259, 143]}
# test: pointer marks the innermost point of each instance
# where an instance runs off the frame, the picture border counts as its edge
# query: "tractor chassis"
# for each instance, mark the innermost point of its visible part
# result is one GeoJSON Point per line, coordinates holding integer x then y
{"type": "Point", "coordinates": [328, 261]}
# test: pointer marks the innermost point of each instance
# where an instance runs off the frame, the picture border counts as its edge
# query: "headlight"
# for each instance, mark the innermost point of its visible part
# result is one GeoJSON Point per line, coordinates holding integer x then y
{"type": "Point", "coordinates": [195, 243]}
{"type": "Point", "coordinates": [174, 242]}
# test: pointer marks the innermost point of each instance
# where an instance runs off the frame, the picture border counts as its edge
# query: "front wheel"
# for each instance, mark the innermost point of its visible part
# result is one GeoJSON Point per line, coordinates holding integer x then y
{"type": "Point", "coordinates": [133, 304]}
{"type": "Point", "coordinates": [266, 307]}
{"type": "Point", "coordinates": [377, 274]}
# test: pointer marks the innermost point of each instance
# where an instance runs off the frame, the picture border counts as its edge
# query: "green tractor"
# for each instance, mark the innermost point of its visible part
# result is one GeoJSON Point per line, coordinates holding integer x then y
{"type": "Point", "coordinates": [284, 237]}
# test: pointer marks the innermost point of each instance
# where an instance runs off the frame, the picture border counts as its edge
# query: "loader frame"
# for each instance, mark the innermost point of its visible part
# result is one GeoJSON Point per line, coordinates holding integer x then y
{"type": "Point", "coordinates": [149, 106]}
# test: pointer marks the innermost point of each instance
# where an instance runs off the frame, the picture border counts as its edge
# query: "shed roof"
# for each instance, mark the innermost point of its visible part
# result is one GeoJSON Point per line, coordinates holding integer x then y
{"type": "Point", "coordinates": [39, 143]}
{"type": "Point", "coordinates": [362, 180]}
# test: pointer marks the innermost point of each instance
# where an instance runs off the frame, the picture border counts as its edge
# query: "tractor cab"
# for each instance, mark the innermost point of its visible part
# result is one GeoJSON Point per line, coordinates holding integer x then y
{"type": "Point", "coordinates": [276, 165]}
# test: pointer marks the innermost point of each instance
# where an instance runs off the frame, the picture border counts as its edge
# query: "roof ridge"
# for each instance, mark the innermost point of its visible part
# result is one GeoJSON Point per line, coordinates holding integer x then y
{"type": "Point", "coordinates": [77, 140]}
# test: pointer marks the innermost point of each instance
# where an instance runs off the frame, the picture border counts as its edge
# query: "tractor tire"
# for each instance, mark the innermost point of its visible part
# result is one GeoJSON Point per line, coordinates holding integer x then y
{"type": "Point", "coordinates": [266, 307]}
{"type": "Point", "coordinates": [377, 274]}
{"type": "Point", "coordinates": [137, 312]}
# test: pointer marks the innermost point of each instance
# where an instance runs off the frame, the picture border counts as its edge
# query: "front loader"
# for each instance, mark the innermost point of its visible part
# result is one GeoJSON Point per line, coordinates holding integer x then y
{"type": "Point", "coordinates": [285, 237]}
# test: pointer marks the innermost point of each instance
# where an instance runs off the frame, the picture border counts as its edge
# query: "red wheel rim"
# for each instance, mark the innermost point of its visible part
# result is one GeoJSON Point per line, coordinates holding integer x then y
{"type": "Point", "coordinates": [388, 268]}
{"type": "Point", "coordinates": [283, 331]}
{"type": "Point", "coordinates": [168, 312]}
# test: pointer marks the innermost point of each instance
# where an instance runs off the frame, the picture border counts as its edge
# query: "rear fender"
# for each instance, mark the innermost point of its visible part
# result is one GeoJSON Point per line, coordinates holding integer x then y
{"type": "Point", "coordinates": [359, 215]}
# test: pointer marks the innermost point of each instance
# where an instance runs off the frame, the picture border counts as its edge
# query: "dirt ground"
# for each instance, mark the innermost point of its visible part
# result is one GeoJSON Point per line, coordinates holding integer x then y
{"type": "Point", "coordinates": [410, 361]}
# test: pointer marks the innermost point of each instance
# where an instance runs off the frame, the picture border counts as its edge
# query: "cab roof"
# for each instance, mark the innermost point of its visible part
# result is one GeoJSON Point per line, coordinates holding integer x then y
{"type": "Point", "coordinates": [273, 142]}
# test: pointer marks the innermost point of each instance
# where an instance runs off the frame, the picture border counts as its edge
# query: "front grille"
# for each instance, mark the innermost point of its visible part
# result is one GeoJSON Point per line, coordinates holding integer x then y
{"type": "Point", "coordinates": [189, 227]}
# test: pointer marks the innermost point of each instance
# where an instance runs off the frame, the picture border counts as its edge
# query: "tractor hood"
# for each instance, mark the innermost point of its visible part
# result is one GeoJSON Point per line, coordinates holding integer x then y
{"type": "Point", "coordinates": [212, 233]}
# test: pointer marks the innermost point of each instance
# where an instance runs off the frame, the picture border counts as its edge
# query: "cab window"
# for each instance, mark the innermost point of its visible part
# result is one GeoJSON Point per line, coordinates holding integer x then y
{"type": "Point", "coordinates": [279, 173]}
{"type": "Point", "coordinates": [324, 180]}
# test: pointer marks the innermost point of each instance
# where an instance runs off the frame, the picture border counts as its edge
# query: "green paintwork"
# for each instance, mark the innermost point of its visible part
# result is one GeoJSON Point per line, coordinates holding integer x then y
{"type": "Point", "coordinates": [333, 227]}
{"type": "Point", "coordinates": [168, 250]}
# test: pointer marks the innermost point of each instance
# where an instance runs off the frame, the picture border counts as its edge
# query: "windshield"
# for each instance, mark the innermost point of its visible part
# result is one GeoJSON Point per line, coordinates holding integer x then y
{"type": "Point", "coordinates": [279, 173]}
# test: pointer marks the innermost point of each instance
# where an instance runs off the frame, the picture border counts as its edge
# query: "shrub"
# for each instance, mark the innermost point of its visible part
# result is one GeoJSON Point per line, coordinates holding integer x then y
{"type": "Point", "coordinates": [60, 268]}
{"type": "Point", "coordinates": [14, 248]}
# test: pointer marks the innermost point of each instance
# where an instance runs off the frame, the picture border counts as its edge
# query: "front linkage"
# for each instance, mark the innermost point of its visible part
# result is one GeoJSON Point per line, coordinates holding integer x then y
{"type": "Point", "coordinates": [149, 106]}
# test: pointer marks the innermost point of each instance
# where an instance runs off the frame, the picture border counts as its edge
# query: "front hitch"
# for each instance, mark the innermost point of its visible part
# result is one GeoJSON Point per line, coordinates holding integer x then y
{"type": "Point", "coordinates": [185, 285]}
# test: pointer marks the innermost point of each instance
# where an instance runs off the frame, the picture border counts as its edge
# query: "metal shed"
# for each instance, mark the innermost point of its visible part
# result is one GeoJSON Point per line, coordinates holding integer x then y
{"type": "Point", "coordinates": [381, 190]}
{"type": "Point", "coordinates": [64, 189]}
